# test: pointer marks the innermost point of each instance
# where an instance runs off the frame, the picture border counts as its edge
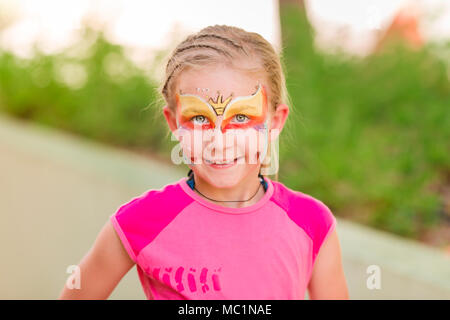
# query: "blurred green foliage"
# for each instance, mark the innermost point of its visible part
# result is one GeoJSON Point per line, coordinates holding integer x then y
{"type": "Point", "coordinates": [369, 137]}
{"type": "Point", "coordinates": [372, 135]}
{"type": "Point", "coordinates": [91, 89]}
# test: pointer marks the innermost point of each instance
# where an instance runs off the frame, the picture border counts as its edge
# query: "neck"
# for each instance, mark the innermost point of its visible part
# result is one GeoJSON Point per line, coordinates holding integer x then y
{"type": "Point", "coordinates": [240, 192]}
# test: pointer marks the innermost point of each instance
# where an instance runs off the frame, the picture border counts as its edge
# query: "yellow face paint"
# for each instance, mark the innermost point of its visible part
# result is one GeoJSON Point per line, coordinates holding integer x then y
{"type": "Point", "coordinates": [252, 109]}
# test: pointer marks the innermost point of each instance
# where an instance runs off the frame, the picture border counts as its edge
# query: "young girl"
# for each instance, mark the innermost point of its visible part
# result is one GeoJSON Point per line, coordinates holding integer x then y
{"type": "Point", "coordinates": [226, 231]}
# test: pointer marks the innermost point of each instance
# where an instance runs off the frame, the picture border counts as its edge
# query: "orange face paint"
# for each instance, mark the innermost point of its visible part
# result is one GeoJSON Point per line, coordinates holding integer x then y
{"type": "Point", "coordinates": [194, 112]}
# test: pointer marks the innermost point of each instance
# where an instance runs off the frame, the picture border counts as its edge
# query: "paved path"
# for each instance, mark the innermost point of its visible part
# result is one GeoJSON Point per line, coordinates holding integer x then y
{"type": "Point", "coordinates": [57, 191]}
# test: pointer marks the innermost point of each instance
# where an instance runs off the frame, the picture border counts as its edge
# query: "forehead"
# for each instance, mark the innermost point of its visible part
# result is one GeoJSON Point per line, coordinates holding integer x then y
{"type": "Point", "coordinates": [208, 80]}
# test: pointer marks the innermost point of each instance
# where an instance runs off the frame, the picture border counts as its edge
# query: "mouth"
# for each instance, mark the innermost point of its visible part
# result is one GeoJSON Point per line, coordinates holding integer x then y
{"type": "Point", "coordinates": [222, 164]}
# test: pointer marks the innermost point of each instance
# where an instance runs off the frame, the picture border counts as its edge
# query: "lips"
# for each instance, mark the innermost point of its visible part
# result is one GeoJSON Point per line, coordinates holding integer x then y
{"type": "Point", "coordinates": [221, 164]}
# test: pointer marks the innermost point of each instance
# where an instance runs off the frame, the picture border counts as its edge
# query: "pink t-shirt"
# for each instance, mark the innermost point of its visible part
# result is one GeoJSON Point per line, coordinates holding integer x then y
{"type": "Point", "coordinates": [186, 247]}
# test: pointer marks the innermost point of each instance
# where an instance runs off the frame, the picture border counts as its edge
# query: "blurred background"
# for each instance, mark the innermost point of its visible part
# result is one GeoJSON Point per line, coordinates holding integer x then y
{"type": "Point", "coordinates": [82, 132]}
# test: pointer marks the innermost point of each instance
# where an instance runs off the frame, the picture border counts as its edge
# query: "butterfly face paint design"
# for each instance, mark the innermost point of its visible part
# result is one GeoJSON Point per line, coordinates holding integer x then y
{"type": "Point", "coordinates": [240, 113]}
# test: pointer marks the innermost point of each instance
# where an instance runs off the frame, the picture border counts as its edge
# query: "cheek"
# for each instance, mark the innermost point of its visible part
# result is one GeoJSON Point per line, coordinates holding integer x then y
{"type": "Point", "coordinates": [191, 142]}
{"type": "Point", "coordinates": [250, 141]}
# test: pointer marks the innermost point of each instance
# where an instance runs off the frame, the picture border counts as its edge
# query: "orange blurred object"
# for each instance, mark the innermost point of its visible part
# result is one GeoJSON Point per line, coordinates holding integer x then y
{"type": "Point", "coordinates": [404, 27]}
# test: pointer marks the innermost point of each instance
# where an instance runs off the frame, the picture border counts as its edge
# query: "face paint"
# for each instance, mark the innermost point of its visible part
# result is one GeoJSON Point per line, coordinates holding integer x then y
{"type": "Point", "coordinates": [239, 113]}
{"type": "Point", "coordinates": [244, 117]}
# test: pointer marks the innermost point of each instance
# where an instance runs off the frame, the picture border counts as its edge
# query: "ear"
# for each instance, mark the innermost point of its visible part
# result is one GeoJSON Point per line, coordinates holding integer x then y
{"type": "Point", "coordinates": [278, 120]}
{"type": "Point", "coordinates": [170, 118]}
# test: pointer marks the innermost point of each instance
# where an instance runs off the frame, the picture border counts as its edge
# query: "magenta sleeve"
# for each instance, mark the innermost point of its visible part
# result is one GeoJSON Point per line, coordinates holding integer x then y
{"type": "Point", "coordinates": [324, 226]}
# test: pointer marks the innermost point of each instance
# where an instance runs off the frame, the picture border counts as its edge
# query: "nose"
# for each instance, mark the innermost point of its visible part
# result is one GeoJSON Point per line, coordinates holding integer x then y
{"type": "Point", "coordinates": [219, 142]}
{"type": "Point", "coordinates": [217, 134]}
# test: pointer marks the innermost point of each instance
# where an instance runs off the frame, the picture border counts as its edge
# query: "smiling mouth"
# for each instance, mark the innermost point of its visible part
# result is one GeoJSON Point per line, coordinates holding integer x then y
{"type": "Point", "coordinates": [222, 163]}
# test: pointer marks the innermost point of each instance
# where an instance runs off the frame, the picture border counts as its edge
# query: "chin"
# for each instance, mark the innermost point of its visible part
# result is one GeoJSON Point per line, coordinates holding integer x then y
{"type": "Point", "coordinates": [225, 179]}
{"type": "Point", "coordinates": [224, 182]}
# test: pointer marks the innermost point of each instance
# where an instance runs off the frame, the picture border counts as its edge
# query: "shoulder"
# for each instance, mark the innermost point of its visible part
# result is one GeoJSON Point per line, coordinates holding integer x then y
{"type": "Point", "coordinates": [139, 220]}
{"type": "Point", "coordinates": [309, 213]}
{"type": "Point", "coordinates": [169, 197]}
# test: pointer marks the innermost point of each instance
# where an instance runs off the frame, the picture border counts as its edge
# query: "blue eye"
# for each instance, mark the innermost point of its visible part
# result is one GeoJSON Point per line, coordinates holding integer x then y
{"type": "Point", "coordinates": [240, 118]}
{"type": "Point", "coordinates": [199, 119]}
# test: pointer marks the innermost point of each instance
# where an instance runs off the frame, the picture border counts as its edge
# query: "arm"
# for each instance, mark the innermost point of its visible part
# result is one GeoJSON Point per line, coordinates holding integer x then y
{"type": "Point", "coordinates": [327, 279]}
{"type": "Point", "coordinates": [101, 269]}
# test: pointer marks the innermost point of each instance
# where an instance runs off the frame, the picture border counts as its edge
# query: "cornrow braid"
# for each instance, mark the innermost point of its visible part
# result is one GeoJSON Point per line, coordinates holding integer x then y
{"type": "Point", "coordinates": [188, 47]}
{"type": "Point", "coordinates": [181, 49]}
{"type": "Point", "coordinates": [194, 46]}
{"type": "Point", "coordinates": [197, 57]}
{"type": "Point", "coordinates": [217, 44]}
{"type": "Point", "coordinates": [208, 35]}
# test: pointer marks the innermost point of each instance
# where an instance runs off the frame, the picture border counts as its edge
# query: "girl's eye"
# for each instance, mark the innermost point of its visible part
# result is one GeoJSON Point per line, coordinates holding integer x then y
{"type": "Point", "coordinates": [199, 119]}
{"type": "Point", "coordinates": [240, 118]}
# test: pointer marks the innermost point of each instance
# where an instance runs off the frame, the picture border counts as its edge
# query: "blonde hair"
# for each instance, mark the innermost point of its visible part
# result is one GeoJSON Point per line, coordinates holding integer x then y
{"type": "Point", "coordinates": [221, 44]}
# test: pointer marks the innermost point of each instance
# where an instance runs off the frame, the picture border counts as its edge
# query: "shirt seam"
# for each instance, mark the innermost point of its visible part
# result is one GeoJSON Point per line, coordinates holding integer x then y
{"type": "Point", "coordinates": [311, 263]}
{"type": "Point", "coordinates": [123, 238]}
{"type": "Point", "coordinates": [286, 213]}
